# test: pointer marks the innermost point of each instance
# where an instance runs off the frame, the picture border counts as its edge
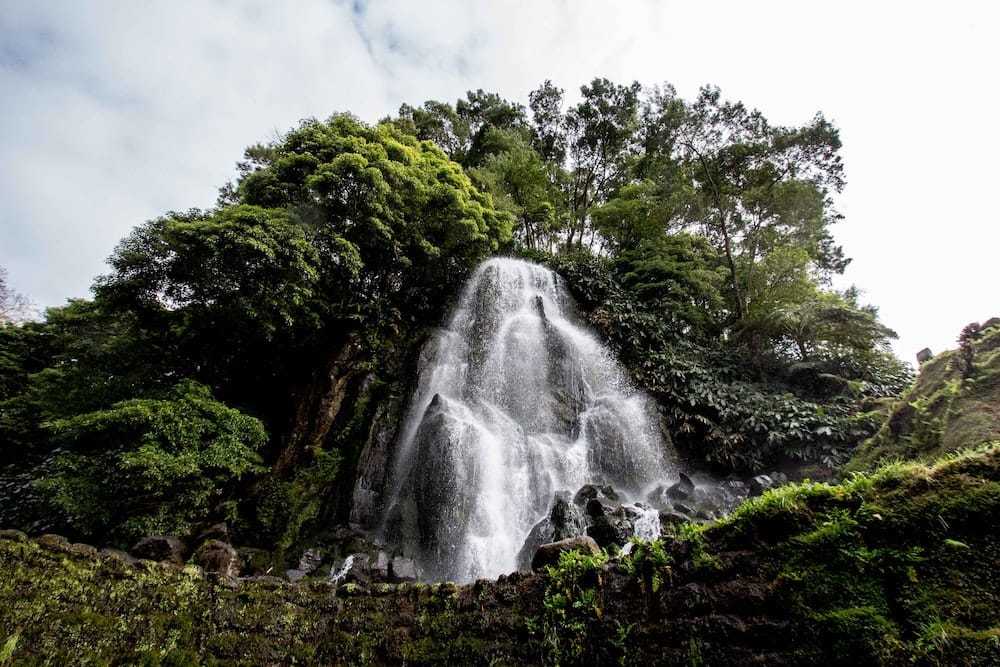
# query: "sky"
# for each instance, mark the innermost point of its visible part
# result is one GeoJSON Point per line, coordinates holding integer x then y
{"type": "Point", "coordinates": [117, 112]}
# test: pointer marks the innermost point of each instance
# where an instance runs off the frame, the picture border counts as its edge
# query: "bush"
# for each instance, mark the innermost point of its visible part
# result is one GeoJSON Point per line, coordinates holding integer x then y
{"type": "Point", "coordinates": [151, 465]}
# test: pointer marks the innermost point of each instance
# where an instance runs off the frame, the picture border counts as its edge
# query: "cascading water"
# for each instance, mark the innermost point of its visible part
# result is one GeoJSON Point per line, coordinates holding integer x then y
{"type": "Point", "coordinates": [515, 402]}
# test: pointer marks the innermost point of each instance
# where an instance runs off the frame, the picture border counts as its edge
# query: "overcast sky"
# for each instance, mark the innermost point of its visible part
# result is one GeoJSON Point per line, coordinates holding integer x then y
{"type": "Point", "coordinates": [116, 112]}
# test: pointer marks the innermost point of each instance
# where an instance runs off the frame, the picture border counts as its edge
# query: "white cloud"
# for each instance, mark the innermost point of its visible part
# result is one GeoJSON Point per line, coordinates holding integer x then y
{"type": "Point", "coordinates": [116, 112]}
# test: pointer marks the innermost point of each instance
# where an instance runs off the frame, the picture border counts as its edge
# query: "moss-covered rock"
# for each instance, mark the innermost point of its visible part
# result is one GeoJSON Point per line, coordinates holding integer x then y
{"type": "Point", "coordinates": [949, 407]}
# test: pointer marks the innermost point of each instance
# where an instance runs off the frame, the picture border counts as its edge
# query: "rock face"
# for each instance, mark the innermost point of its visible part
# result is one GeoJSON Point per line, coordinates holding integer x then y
{"type": "Point", "coordinates": [402, 569]}
{"type": "Point", "coordinates": [160, 547]}
{"type": "Point", "coordinates": [375, 464]}
{"type": "Point", "coordinates": [548, 554]}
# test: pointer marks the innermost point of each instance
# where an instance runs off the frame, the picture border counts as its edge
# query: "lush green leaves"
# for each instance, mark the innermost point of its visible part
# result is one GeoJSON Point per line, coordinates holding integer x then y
{"type": "Point", "coordinates": [151, 465]}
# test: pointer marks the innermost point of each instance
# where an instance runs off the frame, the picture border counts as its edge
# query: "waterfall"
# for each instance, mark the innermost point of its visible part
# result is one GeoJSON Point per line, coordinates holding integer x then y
{"type": "Point", "coordinates": [515, 401]}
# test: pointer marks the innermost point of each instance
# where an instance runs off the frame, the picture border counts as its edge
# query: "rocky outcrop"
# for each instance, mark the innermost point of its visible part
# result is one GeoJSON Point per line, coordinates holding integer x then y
{"type": "Point", "coordinates": [951, 406]}
{"type": "Point", "coordinates": [375, 463]}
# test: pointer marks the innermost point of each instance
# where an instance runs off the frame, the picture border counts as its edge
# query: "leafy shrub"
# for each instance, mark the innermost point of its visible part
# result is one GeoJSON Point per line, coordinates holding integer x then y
{"type": "Point", "coordinates": [151, 465]}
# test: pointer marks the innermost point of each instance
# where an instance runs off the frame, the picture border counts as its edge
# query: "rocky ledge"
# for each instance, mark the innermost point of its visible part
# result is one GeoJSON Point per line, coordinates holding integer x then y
{"type": "Point", "coordinates": [895, 567]}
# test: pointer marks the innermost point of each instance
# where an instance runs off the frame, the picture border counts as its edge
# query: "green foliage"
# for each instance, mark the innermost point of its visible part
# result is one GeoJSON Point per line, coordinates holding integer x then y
{"type": "Point", "coordinates": [287, 507]}
{"type": "Point", "coordinates": [571, 602]}
{"type": "Point", "coordinates": [148, 466]}
{"type": "Point", "coordinates": [716, 402]}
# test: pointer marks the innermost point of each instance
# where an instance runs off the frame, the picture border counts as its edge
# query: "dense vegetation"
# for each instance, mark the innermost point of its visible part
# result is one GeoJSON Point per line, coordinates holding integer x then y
{"type": "Point", "coordinates": [231, 363]}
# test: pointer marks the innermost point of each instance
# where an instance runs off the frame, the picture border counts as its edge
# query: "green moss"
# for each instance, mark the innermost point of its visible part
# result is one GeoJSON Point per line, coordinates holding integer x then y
{"type": "Point", "coordinates": [943, 411]}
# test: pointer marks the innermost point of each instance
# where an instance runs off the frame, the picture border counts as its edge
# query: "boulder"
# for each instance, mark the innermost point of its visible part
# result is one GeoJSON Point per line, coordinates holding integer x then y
{"type": "Point", "coordinates": [681, 489]}
{"type": "Point", "coordinates": [380, 568]}
{"type": "Point", "coordinates": [924, 355]}
{"type": "Point", "coordinates": [294, 575]}
{"type": "Point", "coordinates": [402, 569]}
{"type": "Point", "coordinates": [566, 520]}
{"type": "Point", "coordinates": [310, 561]}
{"type": "Point", "coordinates": [540, 534]}
{"type": "Point", "coordinates": [683, 509]}
{"type": "Point", "coordinates": [218, 557]}
{"type": "Point", "coordinates": [596, 508]}
{"type": "Point", "coordinates": [760, 484]}
{"type": "Point", "coordinates": [588, 492]}
{"type": "Point", "coordinates": [12, 535]}
{"type": "Point", "coordinates": [360, 571]}
{"type": "Point", "coordinates": [548, 554]}
{"type": "Point", "coordinates": [160, 547]}
{"type": "Point", "coordinates": [613, 528]}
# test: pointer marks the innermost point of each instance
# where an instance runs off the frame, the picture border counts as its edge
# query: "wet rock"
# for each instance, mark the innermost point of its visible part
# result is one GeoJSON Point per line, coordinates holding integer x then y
{"type": "Point", "coordinates": [374, 463]}
{"type": "Point", "coordinates": [708, 498]}
{"type": "Point", "coordinates": [611, 529]}
{"type": "Point", "coordinates": [548, 554]}
{"type": "Point", "coordinates": [735, 486]}
{"type": "Point", "coordinates": [760, 484]}
{"type": "Point", "coordinates": [360, 571]}
{"type": "Point", "coordinates": [403, 569]}
{"type": "Point", "coordinates": [589, 492]}
{"type": "Point", "coordinates": [596, 508]}
{"type": "Point", "coordinates": [672, 519]}
{"type": "Point", "coordinates": [164, 548]}
{"type": "Point", "coordinates": [218, 557]}
{"type": "Point", "coordinates": [681, 489]}
{"type": "Point", "coordinates": [540, 534]}
{"type": "Point", "coordinates": [684, 509]}
{"type": "Point", "coordinates": [310, 561]}
{"type": "Point", "coordinates": [566, 519]}
{"type": "Point", "coordinates": [380, 567]}
{"type": "Point", "coordinates": [445, 484]}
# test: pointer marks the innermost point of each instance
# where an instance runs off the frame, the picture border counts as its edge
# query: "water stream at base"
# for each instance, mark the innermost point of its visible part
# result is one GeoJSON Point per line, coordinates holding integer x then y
{"type": "Point", "coordinates": [516, 400]}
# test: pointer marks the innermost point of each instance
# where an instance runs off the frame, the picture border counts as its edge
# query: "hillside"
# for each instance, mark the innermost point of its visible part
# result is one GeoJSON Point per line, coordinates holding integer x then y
{"type": "Point", "coordinates": [953, 404]}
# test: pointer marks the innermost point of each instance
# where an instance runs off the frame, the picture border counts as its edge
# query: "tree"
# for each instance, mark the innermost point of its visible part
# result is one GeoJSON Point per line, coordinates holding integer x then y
{"type": "Point", "coordinates": [759, 185]}
{"type": "Point", "coordinates": [681, 275]}
{"type": "Point", "coordinates": [152, 466]}
{"type": "Point", "coordinates": [599, 135]}
{"type": "Point", "coordinates": [13, 305]}
{"type": "Point", "coordinates": [519, 181]}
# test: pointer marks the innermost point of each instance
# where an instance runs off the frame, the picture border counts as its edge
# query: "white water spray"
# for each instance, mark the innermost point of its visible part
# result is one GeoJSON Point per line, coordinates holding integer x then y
{"type": "Point", "coordinates": [515, 402]}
